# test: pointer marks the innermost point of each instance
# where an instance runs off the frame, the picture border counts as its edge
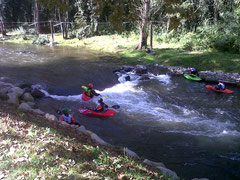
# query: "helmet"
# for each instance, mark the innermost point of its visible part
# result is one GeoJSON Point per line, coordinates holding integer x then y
{"type": "Point", "coordinates": [90, 85]}
{"type": "Point", "coordinates": [100, 100]}
{"type": "Point", "coordinates": [65, 111]}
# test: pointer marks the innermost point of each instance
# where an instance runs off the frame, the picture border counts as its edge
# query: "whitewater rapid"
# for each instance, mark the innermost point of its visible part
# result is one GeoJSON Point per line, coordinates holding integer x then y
{"type": "Point", "coordinates": [149, 106]}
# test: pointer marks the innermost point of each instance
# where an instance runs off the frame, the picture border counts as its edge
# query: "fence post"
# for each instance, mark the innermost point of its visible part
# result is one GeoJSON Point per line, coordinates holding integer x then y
{"type": "Point", "coordinates": [51, 28]}
{"type": "Point", "coordinates": [151, 37]}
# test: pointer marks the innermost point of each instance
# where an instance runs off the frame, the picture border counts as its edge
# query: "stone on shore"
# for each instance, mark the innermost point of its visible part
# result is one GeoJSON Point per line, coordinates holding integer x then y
{"type": "Point", "coordinates": [131, 153]}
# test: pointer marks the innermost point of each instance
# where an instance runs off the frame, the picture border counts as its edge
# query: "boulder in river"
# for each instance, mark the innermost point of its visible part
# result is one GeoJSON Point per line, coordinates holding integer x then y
{"type": "Point", "coordinates": [140, 70]}
{"type": "Point", "coordinates": [36, 93]}
{"type": "Point", "coordinates": [127, 68]}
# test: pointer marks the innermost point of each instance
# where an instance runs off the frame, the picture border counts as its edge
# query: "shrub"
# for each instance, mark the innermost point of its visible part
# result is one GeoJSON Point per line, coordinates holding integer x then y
{"type": "Point", "coordinates": [41, 40]}
{"type": "Point", "coordinates": [19, 31]}
{"type": "Point", "coordinates": [72, 34]}
{"type": "Point", "coordinates": [31, 31]}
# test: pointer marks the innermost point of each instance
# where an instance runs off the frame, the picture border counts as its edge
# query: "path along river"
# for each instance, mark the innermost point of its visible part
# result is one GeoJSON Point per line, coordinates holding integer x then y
{"type": "Point", "coordinates": [166, 119]}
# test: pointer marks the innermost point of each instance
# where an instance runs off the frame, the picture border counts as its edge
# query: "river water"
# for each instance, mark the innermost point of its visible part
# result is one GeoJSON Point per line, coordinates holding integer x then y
{"type": "Point", "coordinates": [168, 119]}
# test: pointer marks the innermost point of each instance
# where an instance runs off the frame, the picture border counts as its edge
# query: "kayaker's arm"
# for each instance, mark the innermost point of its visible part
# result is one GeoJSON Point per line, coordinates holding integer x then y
{"type": "Point", "coordinates": [94, 93]}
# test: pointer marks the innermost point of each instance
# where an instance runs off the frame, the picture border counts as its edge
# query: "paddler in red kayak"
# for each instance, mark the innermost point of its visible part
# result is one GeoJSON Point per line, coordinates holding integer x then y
{"type": "Point", "coordinates": [101, 107]}
{"type": "Point", "coordinates": [90, 92]}
{"type": "Point", "coordinates": [220, 86]}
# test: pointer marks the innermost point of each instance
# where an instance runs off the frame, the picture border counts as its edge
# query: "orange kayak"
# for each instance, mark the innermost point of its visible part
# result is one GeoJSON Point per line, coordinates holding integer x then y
{"type": "Point", "coordinates": [209, 87]}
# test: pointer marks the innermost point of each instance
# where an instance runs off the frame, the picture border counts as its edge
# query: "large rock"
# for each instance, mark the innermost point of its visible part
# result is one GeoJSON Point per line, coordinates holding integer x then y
{"type": "Point", "coordinates": [13, 98]}
{"type": "Point", "coordinates": [38, 111]}
{"type": "Point", "coordinates": [51, 117]}
{"type": "Point", "coordinates": [25, 85]}
{"type": "Point", "coordinates": [82, 129]}
{"type": "Point", "coordinates": [31, 104]}
{"type": "Point", "coordinates": [25, 106]}
{"type": "Point", "coordinates": [140, 70]}
{"type": "Point", "coordinates": [6, 84]}
{"type": "Point", "coordinates": [14, 94]}
{"type": "Point", "coordinates": [16, 90]}
{"type": "Point", "coordinates": [144, 78]}
{"type": "Point", "coordinates": [177, 70]}
{"type": "Point", "coordinates": [98, 139]}
{"type": "Point", "coordinates": [231, 78]}
{"type": "Point", "coordinates": [36, 93]}
{"type": "Point", "coordinates": [168, 172]}
{"type": "Point", "coordinates": [155, 164]}
{"type": "Point", "coordinates": [4, 89]}
{"type": "Point", "coordinates": [27, 97]}
{"type": "Point", "coordinates": [127, 68]}
{"type": "Point", "coordinates": [131, 153]}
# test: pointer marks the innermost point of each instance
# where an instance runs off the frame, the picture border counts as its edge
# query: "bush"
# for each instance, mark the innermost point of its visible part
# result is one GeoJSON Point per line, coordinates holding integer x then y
{"type": "Point", "coordinates": [19, 31]}
{"type": "Point", "coordinates": [31, 31]}
{"type": "Point", "coordinates": [227, 43]}
{"type": "Point", "coordinates": [41, 40]}
{"type": "Point", "coordinates": [84, 32]}
{"type": "Point", "coordinates": [72, 34]}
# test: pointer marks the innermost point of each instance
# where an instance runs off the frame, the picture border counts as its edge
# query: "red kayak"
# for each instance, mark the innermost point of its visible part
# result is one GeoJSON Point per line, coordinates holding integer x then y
{"type": "Point", "coordinates": [209, 87]}
{"type": "Point", "coordinates": [109, 112]}
{"type": "Point", "coordinates": [85, 97]}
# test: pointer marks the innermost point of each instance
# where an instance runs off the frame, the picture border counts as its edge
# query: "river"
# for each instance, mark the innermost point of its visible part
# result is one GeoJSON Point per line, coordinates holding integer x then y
{"type": "Point", "coordinates": [168, 119]}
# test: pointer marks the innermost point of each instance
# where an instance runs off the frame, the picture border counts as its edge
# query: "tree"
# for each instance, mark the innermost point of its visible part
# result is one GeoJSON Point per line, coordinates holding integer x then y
{"type": "Point", "coordinates": [36, 16]}
{"type": "Point", "coordinates": [2, 26]}
{"type": "Point", "coordinates": [138, 12]}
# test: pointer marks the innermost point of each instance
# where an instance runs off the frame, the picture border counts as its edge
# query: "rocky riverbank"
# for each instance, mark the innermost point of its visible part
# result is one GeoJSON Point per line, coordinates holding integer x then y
{"type": "Point", "coordinates": [209, 76]}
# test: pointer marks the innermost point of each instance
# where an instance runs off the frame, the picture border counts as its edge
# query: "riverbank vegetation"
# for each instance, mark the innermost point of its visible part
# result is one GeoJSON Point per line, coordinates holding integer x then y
{"type": "Point", "coordinates": [31, 148]}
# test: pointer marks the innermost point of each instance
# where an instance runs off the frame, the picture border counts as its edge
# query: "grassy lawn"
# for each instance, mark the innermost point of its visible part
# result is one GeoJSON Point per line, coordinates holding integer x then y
{"type": "Point", "coordinates": [31, 149]}
{"type": "Point", "coordinates": [123, 48]}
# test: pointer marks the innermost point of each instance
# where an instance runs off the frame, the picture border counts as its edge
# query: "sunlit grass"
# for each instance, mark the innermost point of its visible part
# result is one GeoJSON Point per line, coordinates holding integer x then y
{"type": "Point", "coordinates": [172, 54]}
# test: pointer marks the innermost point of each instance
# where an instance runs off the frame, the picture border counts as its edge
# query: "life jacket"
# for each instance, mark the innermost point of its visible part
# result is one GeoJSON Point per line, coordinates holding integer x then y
{"type": "Point", "coordinates": [89, 92]}
{"type": "Point", "coordinates": [101, 107]}
{"type": "Point", "coordinates": [68, 119]}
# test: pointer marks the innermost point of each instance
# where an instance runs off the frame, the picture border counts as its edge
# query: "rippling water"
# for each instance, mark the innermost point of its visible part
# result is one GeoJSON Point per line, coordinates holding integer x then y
{"type": "Point", "coordinates": [169, 119]}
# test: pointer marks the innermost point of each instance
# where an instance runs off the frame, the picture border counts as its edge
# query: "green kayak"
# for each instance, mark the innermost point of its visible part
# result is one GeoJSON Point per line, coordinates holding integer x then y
{"type": "Point", "coordinates": [192, 77]}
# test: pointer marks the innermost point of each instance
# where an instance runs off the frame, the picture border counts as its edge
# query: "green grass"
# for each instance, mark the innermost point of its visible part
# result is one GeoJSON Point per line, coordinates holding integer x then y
{"type": "Point", "coordinates": [30, 151]}
{"type": "Point", "coordinates": [123, 48]}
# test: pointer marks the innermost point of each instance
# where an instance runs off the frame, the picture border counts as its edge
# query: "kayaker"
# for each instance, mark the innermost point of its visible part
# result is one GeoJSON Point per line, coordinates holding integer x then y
{"type": "Point", "coordinates": [68, 118]}
{"type": "Point", "coordinates": [90, 92]}
{"type": "Point", "coordinates": [193, 71]}
{"type": "Point", "coordinates": [220, 86]}
{"type": "Point", "coordinates": [101, 107]}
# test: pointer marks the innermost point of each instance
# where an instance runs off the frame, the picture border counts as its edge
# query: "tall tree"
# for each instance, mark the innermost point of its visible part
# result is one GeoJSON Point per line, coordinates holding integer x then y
{"type": "Point", "coordinates": [138, 12]}
{"type": "Point", "coordinates": [2, 24]}
{"type": "Point", "coordinates": [36, 16]}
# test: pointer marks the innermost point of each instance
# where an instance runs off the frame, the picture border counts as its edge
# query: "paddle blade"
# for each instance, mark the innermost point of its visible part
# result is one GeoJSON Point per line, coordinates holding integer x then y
{"type": "Point", "coordinates": [115, 106]}
{"type": "Point", "coordinates": [85, 88]}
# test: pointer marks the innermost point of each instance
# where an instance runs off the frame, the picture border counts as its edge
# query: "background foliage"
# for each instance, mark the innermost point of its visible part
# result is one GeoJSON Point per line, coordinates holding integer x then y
{"type": "Point", "coordinates": [196, 24]}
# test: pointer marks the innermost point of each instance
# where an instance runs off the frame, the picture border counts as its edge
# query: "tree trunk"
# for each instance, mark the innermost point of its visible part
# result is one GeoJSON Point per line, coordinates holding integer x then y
{"type": "Point", "coordinates": [36, 17]}
{"type": "Point", "coordinates": [144, 25]}
{"type": "Point", "coordinates": [66, 20]}
{"type": "Point", "coordinates": [3, 30]}
{"type": "Point", "coordinates": [2, 26]}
